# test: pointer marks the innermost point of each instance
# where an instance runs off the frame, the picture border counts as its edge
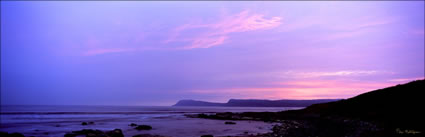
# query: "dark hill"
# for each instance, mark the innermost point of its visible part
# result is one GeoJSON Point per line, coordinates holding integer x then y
{"type": "Point", "coordinates": [390, 112]}
{"type": "Point", "coordinates": [196, 103]}
{"type": "Point", "coordinates": [399, 105]}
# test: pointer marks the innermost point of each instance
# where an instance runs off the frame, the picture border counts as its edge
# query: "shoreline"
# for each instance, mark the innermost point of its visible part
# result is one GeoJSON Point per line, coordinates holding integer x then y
{"type": "Point", "coordinates": [173, 125]}
{"type": "Point", "coordinates": [302, 125]}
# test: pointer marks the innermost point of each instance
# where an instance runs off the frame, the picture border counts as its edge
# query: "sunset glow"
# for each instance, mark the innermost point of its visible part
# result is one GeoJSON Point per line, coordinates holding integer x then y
{"type": "Point", "coordinates": [156, 53]}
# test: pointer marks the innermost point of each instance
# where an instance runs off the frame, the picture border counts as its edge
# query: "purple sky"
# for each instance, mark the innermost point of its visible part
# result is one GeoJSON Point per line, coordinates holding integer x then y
{"type": "Point", "coordinates": [156, 53]}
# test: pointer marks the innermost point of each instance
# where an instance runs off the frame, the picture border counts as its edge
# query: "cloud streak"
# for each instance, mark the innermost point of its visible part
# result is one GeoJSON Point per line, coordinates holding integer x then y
{"type": "Point", "coordinates": [302, 89]}
{"type": "Point", "coordinates": [308, 85]}
{"type": "Point", "coordinates": [207, 35]}
{"type": "Point", "coordinates": [406, 79]}
{"type": "Point", "coordinates": [342, 73]}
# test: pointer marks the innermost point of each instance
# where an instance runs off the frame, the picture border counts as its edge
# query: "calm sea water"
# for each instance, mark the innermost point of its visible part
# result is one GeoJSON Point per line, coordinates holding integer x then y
{"type": "Point", "coordinates": [167, 121]}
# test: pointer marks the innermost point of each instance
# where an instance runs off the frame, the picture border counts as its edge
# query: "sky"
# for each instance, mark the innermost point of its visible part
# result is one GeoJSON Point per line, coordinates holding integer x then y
{"type": "Point", "coordinates": [156, 53]}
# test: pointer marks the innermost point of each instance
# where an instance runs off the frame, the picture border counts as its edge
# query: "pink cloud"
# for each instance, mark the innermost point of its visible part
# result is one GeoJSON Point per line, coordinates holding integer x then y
{"type": "Point", "coordinates": [310, 85]}
{"type": "Point", "coordinates": [206, 35]}
{"type": "Point", "coordinates": [307, 89]}
{"type": "Point", "coordinates": [206, 42]}
{"type": "Point", "coordinates": [342, 73]}
{"type": "Point", "coordinates": [291, 74]}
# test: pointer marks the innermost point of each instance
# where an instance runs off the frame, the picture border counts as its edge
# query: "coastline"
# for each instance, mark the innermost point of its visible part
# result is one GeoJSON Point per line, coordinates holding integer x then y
{"type": "Point", "coordinates": [388, 112]}
{"type": "Point", "coordinates": [169, 121]}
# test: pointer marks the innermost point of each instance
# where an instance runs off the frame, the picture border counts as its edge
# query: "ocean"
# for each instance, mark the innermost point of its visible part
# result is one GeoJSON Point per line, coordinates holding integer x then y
{"type": "Point", "coordinates": [55, 121]}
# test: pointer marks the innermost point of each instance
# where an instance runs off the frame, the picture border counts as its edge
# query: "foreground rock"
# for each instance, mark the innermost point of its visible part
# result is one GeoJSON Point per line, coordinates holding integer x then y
{"type": "Point", "coordinates": [229, 123]}
{"type": "Point", "coordinates": [132, 125]}
{"type": "Point", "coordinates": [143, 127]}
{"type": "Point", "coordinates": [87, 123]}
{"type": "Point", "coordinates": [96, 133]}
{"type": "Point", "coordinates": [5, 134]}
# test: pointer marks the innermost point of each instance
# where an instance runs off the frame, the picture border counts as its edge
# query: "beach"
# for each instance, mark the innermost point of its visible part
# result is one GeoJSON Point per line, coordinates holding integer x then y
{"type": "Point", "coordinates": [53, 121]}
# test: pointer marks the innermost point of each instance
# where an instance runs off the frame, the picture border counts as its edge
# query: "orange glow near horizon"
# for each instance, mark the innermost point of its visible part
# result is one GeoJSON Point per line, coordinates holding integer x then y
{"type": "Point", "coordinates": [308, 89]}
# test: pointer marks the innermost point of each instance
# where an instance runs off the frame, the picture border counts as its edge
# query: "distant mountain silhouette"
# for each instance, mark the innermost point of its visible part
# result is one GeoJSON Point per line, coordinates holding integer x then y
{"type": "Point", "coordinates": [255, 103]}
{"type": "Point", "coordinates": [197, 103]}
{"type": "Point", "coordinates": [390, 112]}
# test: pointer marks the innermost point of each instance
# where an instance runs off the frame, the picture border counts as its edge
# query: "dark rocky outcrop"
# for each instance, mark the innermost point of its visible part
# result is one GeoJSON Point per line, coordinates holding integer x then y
{"type": "Point", "coordinates": [5, 134]}
{"type": "Point", "coordinates": [87, 123]}
{"type": "Point", "coordinates": [207, 136]}
{"type": "Point", "coordinates": [96, 133]}
{"type": "Point", "coordinates": [143, 127]}
{"type": "Point", "coordinates": [115, 133]}
{"type": "Point", "coordinates": [229, 123]}
{"type": "Point", "coordinates": [132, 125]}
